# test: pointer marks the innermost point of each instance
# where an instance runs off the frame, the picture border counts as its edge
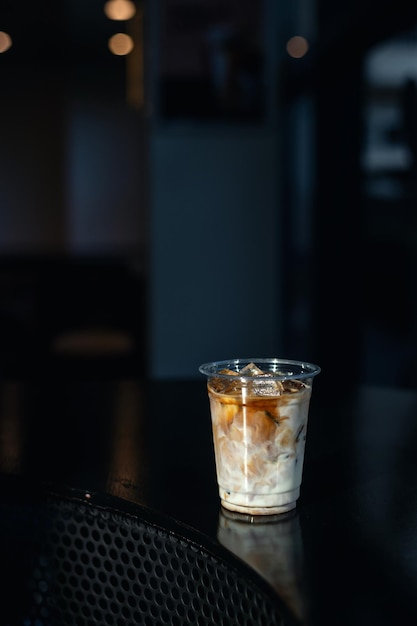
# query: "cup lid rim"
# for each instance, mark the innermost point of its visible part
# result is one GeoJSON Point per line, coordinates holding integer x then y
{"type": "Point", "coordinates": [303, 369]}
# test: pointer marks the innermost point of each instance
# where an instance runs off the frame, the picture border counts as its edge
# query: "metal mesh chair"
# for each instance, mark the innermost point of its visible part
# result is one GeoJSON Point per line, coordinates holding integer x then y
{"type": "Point", "coordinates": [76, 558]}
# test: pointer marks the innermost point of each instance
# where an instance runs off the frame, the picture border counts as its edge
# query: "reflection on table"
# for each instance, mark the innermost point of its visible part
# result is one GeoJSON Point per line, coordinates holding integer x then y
{"type": "Point", "coordinates": [273, 547]}
{"type": "Point", "coordinates": [150, 442]}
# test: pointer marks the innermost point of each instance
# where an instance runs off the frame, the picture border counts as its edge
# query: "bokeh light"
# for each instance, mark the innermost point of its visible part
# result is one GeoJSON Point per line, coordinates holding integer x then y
{"type": "Point", "coordinates": [119, 9]}
{"type": "Point", "coordinates": [5, 41]}
{"type": "Point", "coordinates": [121, 44]}
{"type": "Point", "coordinates": [297, 46]}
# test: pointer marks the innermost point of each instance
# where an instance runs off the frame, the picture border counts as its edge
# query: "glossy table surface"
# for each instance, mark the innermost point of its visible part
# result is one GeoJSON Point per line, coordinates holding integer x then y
{"type": "Point", "coordinates": [347, 555]}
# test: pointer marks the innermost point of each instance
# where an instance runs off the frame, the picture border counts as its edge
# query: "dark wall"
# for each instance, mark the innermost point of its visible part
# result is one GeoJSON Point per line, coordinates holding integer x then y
{"type": "Point", "coordinates": [360, 286]}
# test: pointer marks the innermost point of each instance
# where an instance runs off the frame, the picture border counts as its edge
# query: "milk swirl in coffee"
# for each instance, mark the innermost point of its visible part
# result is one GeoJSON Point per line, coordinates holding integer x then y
{"type": "Point", "coordinates": [259, 432]}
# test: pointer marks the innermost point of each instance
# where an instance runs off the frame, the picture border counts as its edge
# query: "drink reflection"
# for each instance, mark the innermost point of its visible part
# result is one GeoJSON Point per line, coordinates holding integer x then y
{"type": "Point", "coordinates": [271, 546]}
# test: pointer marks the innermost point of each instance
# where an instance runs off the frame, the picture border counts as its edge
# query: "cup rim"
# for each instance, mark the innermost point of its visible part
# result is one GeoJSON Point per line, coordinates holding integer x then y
{"type": "Point", "coordinates": [305, 369]}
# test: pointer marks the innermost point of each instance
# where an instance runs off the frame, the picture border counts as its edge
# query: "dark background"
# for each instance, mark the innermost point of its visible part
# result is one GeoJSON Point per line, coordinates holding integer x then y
{"type": "Point", "coordinates": [82, 281]}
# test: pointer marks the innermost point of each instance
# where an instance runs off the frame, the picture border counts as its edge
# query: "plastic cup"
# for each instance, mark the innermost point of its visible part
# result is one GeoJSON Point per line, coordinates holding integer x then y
{"type": "Point", "coordinates": [259, 412]}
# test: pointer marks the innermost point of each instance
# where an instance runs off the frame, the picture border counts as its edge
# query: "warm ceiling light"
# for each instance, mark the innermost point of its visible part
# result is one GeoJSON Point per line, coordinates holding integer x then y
{"type": "Point", "coordinates": [5, 41]}
{"type": "Point", "coordinates": [121, 44]}
{"type": "Point", "coordinates": [297, 47]}
{"type": "Point", "coordinates": [119, 9]}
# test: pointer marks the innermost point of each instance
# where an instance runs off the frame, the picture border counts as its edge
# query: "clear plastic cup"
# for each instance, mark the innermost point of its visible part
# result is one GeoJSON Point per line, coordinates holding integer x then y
{"type": "Point", "coordinates": [259, 412]}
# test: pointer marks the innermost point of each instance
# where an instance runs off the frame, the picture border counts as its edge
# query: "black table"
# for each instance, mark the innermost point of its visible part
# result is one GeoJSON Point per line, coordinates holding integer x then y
{"type": "Point", "coordinates": [347, 555]}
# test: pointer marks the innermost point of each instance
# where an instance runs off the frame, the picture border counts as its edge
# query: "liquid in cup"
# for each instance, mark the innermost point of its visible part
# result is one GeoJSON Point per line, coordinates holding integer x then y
{"type": "Point", "coordinates": [259, 412]}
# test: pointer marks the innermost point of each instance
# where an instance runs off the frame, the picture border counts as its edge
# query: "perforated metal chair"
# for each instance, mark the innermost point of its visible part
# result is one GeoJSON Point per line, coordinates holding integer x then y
{"type": "Point", "coordinates": [75, 558]}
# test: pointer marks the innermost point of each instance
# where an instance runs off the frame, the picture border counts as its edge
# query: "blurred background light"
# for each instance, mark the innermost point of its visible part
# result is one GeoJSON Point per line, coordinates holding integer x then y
{"type": "Point", "coordinates": [5, 41]}
{"type": "Point", "coordinates": [121, 44]}
{"type": "Point", "coordinates": [297, 47]}
{"type": "Point", "coordinates": [119, 9]}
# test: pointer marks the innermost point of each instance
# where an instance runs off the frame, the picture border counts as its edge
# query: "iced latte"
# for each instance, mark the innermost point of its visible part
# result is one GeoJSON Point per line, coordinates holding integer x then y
{"type": "Point", "coordinates": [259, 411]}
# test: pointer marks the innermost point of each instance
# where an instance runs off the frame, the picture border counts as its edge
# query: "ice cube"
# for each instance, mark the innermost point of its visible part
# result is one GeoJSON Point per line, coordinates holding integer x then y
{"type": "Point", "coordinates": [230, 385]}
{"type": "Point", "coordinates": [293, 386]}
{"type": "Point", "coordinates": [264, 385]}
{"type": "Point", "coordinates": [251, 370]}
{"type": "Point", "coordinates": [228, 372]}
